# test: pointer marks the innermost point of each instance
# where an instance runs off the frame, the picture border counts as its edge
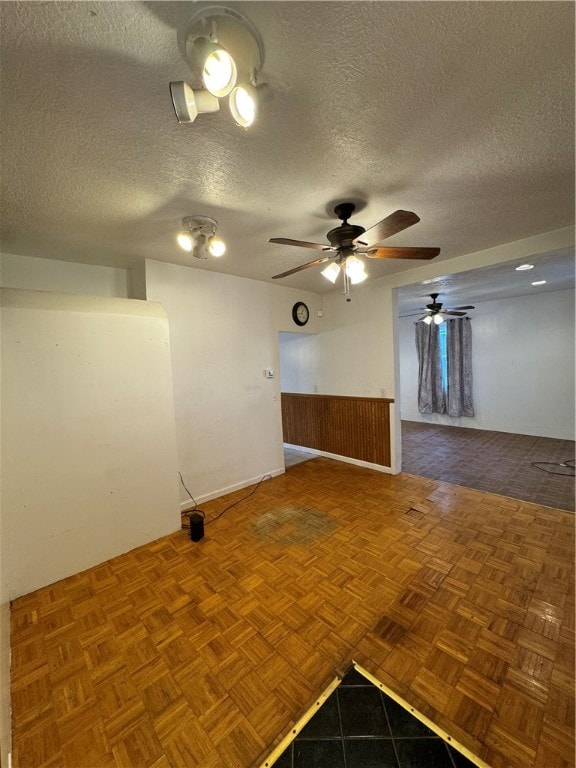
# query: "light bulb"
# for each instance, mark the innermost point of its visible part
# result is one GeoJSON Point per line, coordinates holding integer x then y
{"type": "Point", "coordinates": [355, 268]}
{"type": "Point", "coordinates": [243, 105]}
{"type": "Point", "coordinates": [331, 272]}
{"type": "Point", "coordinates": [188, 103]}
{"type": "Point", "coordinates": [427, 319]}
{"type": "Point", "coordinates": [438, 319]}
{"type": "Point", "coordinates": [219, 72]}
{"type": "Point", "coordinates": [359, 278]}
{"type": "Point", "coordinates": [185, 241]}
{"type": "Point", "coordinates": [216, 246]}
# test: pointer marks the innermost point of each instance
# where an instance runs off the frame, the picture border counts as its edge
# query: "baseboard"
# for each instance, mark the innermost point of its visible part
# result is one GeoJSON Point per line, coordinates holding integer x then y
{"type": "Point", "coordinates": [186, 504]}
{"type": "Point", "coordinates": [345, 459]}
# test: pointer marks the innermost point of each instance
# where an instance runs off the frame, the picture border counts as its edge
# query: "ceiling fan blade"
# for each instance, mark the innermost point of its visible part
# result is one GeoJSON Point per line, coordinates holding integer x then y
{"type": "Point", "coordinates": [402, 253]}
{"type": "Point", "coordinates": [468, 306]}
{"type": "Point", "coordinates": [450, 312]}
{"type": "Point", "coordinates": [299, 243]}
{"type": "Point", "coordinates": [302, 266]}
{"type": "Point", "coordinates": [412, 314]}
{"type": "Point", "coordinates": [389, 226]}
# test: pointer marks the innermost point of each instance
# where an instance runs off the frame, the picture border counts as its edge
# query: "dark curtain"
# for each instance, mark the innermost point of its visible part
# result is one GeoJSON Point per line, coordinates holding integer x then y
{"type": "Point", "coordinates": [455, 397]}
{"type": "Point", "coordinates": [459, 357]}
{"type": "Point", "coordinates": [431, 396]}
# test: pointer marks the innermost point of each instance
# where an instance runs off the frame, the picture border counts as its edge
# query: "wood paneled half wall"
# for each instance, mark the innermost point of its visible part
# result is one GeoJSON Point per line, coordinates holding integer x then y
{"type": "Point", "coordinates": [354, 427]}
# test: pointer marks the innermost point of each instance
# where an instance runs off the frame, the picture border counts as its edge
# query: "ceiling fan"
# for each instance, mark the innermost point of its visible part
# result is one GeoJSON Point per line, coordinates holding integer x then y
{"type": "Point", "coordinates": [349, 241]}
{"type": "Point", "coordinates": [435, 313]}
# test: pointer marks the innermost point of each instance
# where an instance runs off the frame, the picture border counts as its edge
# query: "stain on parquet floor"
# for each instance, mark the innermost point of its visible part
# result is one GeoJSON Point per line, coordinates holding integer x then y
{"type": "Point", "coordinates": [204, 654]}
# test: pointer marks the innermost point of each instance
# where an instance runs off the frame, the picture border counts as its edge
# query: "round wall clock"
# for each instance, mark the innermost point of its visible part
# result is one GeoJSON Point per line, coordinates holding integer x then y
{"type": "Point", "coordinates": [300, 313]}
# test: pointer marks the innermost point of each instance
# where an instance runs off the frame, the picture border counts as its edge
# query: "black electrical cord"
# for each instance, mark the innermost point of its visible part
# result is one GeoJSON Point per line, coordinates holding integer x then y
{"type": "Point", "coordinates": [188, 512]}
{"type": "Point", "coordinates": [265, 477]}
{"type": "Point", "coordinates": [197, 511]}
{"type": "Point", "coordinates": [569, 464]}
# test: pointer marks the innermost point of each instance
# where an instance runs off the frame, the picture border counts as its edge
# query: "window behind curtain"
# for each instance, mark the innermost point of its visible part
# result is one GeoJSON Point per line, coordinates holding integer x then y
{"type": "Point", "coordinates": [445, 367]}
{"type": "Point", "coordinates": [443, 355]}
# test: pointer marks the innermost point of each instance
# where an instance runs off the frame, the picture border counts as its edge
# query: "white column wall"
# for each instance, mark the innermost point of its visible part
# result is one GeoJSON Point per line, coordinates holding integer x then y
{"type": "Point", "coordinates": [35, 274]}
{"type": "Point", "coordinates": [88, 442]}
{"type": "Point", "coordinates": [224, 333]}
{"type": "Point", "coordinates": [523, 367]}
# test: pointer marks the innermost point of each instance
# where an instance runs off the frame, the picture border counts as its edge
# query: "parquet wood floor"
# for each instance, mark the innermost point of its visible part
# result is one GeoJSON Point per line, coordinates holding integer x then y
{"type": "Point", "coordinates": [183, 654]}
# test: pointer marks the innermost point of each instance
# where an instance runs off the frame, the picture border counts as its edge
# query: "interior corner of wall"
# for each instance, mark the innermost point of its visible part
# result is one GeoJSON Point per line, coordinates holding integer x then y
{"type": "Point", "coordinates": [137, 281]}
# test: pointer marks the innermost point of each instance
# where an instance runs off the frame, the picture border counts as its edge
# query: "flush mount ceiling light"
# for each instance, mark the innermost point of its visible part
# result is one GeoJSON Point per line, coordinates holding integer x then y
{"type": "Point", "coordinates": [226, 54]}
{"type": "Point", "coordinates": [199, 236]}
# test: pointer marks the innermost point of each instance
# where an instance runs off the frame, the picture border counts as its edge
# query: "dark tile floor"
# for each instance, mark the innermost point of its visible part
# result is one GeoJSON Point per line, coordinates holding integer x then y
{"type": "Point", "coordinates": [294, 456]}
{"type": "Point", "coordinates": [496, 462]}
{"type": "Point", "coordinates": [360, 727]}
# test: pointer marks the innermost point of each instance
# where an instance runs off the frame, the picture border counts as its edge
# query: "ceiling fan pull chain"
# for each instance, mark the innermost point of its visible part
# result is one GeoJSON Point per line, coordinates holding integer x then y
{"type": "Point", "coordinates": [346, 290]}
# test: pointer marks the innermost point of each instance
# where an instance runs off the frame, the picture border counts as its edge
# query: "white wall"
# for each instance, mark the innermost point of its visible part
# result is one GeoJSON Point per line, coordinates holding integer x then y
{"type": "Point", "coordinates": [36, 274]}
{"type": "Point", "coordinates": [5, 734]}
{"type": "Point", "coordinates": [297, 363]}
{"type": "Point", "coordinates": [348, 356]}
{"type": "Point", "coordinates": [224, 333]}
{"type": "Point", "coordinates": [89, 464]}
{"type": "Point", "coordinates": [523, 367]}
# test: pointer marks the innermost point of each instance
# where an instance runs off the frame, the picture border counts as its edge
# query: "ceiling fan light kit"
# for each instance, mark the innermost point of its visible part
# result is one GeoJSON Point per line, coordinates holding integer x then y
{"type": "Point", "coordinates": [355, 269]}
{"type": "Point", "coordinates": [226, 54]}
{"type": "Point", "coordinates": [349, 241]}
{"type": "Point", "coordinates": [436, 313]}
{"type": "Point", "coordinates": [199, 236]}
{"type": "Point", "coordinates": [331, 272]}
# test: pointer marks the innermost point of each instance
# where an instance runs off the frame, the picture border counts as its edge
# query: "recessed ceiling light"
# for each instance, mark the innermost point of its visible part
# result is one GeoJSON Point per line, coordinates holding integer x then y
{"type": "Point", "coordinates": [522, 267]}
{"type": "Point", "coordinates": [539, 282]}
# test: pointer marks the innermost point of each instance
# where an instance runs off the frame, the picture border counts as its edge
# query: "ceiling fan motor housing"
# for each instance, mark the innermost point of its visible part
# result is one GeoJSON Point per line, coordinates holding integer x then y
{"type": "Point", "coordinates": [344, 235]}
{"type": "Point", "coordinates": [435, 306]}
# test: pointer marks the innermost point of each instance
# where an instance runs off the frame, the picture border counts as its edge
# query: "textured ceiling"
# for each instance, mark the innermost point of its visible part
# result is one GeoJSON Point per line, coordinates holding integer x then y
{"type": "Point", "coordinates": [461, 111]}
{"type": "Point", "coordinates": [501, 281]}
